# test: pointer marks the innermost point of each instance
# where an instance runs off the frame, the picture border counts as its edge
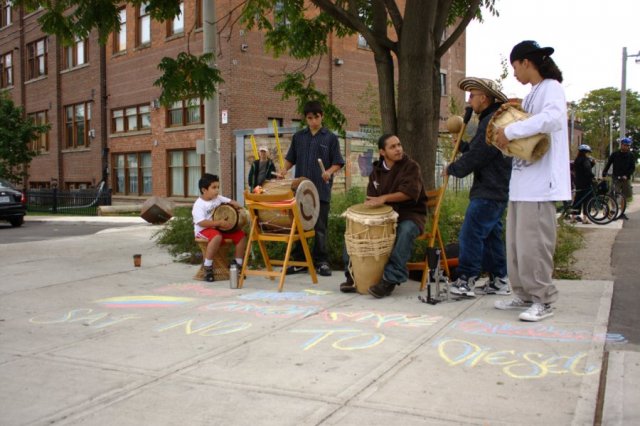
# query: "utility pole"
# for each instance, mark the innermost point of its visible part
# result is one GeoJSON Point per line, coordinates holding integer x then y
{"type": "Point", "coordinates": [211, 106]}
{"type": "Point", "coordinates": [623, 91]}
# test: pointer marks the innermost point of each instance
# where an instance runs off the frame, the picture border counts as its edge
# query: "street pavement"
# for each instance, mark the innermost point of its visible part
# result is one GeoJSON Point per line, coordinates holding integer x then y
{"type": "Point", "coordinates": [86, 338]}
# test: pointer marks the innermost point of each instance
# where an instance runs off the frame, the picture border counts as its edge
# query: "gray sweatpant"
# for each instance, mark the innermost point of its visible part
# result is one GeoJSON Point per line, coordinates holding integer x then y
{"type": "Point", "coordinates": [531, 241]}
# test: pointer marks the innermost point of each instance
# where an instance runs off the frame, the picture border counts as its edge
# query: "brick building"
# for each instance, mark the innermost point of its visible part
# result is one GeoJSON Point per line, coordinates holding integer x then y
{"type": "Point", "coordinates": [105, 119]}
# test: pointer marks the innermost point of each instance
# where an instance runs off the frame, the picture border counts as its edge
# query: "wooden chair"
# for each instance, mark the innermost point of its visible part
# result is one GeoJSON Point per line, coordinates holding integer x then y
{"type": "Point", "coordinates": [431, 234]}
{"type": "Point", "coordinates": [220, 260]}
{"type": "Point", "coordinates": [286, 202]}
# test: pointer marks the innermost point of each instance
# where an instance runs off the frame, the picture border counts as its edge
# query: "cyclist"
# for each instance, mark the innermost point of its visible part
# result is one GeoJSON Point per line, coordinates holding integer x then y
{"type": "Point", "coordinates": [624, 165]}
{"type": "Point", "coordinates": [583, 177]}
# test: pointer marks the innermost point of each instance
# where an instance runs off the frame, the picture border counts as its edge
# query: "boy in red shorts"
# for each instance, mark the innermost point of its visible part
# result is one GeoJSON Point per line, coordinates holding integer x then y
{"type": "Point", "coordinates": [213, 230]}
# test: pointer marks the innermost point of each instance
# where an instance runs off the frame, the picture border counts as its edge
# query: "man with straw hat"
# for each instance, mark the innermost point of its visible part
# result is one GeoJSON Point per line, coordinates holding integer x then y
{"type": "Point", "coordinates": [481, 244]}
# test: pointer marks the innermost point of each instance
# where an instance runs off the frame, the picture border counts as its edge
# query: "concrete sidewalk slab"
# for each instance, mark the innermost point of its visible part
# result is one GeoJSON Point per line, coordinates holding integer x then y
{"type": "Point", "coordinates": [86, 338]}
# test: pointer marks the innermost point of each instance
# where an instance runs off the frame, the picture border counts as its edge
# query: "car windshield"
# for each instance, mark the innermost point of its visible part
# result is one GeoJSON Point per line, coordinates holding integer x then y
{"type": "Point", "coordinates": [5, 184]}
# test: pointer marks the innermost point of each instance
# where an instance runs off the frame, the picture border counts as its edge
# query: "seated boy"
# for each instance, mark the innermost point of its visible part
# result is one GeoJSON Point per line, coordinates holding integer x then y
{"type": "Point", "coordinates": [213, 230]}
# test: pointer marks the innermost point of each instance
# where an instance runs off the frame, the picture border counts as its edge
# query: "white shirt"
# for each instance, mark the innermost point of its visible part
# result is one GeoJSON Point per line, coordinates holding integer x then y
{"type": "Point", "coordinates": [203, 210]}
{"type": "Point", "coordinates": [548, 179]}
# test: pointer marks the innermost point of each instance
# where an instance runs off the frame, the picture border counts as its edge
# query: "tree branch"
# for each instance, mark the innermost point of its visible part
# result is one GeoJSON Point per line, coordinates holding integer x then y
{"type": "Point", "coordinates": [394, 13]}
{"type": "Point", "coordinates": [462, 26]}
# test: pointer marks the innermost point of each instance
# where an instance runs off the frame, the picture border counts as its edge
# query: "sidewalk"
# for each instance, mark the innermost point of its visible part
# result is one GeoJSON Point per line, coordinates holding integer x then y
{"type": "Point", "coordinates": [87, 339]}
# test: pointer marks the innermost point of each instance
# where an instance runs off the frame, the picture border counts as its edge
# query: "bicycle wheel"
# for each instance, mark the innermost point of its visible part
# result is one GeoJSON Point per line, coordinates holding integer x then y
{"type": "Point", "coordinates": [601, 209]}
{"type": "Point", "coordinates": [622, 203]}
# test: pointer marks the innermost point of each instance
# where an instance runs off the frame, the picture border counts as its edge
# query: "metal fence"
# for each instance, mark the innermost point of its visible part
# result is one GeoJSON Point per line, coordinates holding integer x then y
{"type": "Point", "coordinates": [80, 202]}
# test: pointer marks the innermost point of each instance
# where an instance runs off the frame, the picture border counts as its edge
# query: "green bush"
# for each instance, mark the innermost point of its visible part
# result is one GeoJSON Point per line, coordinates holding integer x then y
{"type": "Point", "coordinates": [569, 240]}
{"type": "Point", "coordinates": [177, 236]}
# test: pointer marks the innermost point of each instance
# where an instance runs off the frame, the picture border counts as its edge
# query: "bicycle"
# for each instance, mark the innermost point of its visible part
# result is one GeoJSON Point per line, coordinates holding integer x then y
{"type": "Point", "coordinates": [599, 207]}
{"type": "Point", "coordinates": [616, 192]}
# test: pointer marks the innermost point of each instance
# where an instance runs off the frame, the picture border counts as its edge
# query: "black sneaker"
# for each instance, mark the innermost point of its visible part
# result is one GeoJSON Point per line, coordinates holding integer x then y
{"type": "Point", "coordinates": [382, 289]}
{"type": "Point", "coordinates": [208, 274]}
{"type": "Point", "coordinates": [324, 270]}
{"type": "Point", "coordinates": [296, 270]}
{"type": "Point", "coordinates": [348, 286]}
{"type": "Point", "coordinates": [624, 216]}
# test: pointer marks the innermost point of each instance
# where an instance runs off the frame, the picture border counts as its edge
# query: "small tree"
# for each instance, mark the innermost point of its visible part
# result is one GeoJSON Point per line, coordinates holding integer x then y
{"type": "Point", "coordinates": [16, 134]}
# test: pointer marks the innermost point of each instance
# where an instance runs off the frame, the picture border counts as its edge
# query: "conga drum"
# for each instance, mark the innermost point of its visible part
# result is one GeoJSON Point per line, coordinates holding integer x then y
{"type": "Point", "coordinates": [530, 149]}
{"type": "Point", "coordinates": [307, 198]}
{"type": "Point", "coordinates": [229, 214]}
{"type": "Point", "coordinates": [369, 236]}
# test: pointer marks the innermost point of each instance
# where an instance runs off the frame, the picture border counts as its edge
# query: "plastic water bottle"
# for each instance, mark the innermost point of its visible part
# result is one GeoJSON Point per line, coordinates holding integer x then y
{"type": "Point", "coordinates": [233, 275]}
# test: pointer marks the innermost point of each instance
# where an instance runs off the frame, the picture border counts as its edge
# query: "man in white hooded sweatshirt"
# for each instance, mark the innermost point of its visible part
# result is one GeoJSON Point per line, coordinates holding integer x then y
{"type": "Point", "coordinates": [535, 187]}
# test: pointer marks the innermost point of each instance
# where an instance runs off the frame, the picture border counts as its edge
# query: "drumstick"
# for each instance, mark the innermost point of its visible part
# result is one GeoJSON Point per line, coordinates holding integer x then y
{"type": "Point", "coordinates": [321, 164]}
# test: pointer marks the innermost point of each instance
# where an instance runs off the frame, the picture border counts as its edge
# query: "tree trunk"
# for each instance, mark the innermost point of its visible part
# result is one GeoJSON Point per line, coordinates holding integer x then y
{"type": "Point", "coordinates": [386, 92]}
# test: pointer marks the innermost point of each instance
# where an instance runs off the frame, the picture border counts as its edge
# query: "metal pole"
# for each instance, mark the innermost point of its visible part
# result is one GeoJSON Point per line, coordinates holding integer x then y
{"type": "Point", "coordinates": [623, 95]}
{"type": "Point", "coordinates": [211, 106]}
{"type": "Point", "coordinates": [610, 135]}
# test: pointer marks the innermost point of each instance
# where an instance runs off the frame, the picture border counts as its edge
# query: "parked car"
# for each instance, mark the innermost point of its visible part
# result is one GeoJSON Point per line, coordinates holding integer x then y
{"type": "Point", "coordinates": [13, 204]}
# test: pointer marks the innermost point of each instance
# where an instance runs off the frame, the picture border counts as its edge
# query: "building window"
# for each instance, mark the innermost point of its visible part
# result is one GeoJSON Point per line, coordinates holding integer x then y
{"type": "Point", "coordinates": [120, 36]}
{"type": "Point", "coordinates": [199, 13]}
{"type": "Point", "coordinates": [37, 59]}
{"type": "Point", "coordinates": [132, 173]}
{"type": "Point", "coordinates": [143, 29]}
{"type": "Point", "coordinates": [176, 26]}
{"type": "Point", "coordinates": [279, 122]}
{"type": "Point", "coordinates": [185, 113]}
{"type": "Point", "coordinates": [443, 84]}
{"type": "Point", "coordinates": [76, 54]}
{"type": "Point", "coordinates": [6, 70]}
{"type": "Point", "coordinates": [362, 42]}
{"type": "Point", "coordinates": [77, 125]}
{"type": "Point", "coordinates": [5, 13]}
{"type": "Point", "coordinates": [41, 144]}
{"type": "Point", "coordinates": [185, 169]}
{"type": "Point", "coordinates": [279, 17]}
{"type": "Point", "coordinates": [130, 119]}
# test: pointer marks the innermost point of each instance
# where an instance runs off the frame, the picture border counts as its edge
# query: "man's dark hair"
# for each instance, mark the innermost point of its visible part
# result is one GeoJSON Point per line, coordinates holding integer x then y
{"type": "Point", "coordinates": [382, 140]}
{"type": "Point", "coordinates": [546, 66]}
{"type": "Point", "coordinates": [313, 107]}
{"type": "Point", "coordinates": [206, 180]}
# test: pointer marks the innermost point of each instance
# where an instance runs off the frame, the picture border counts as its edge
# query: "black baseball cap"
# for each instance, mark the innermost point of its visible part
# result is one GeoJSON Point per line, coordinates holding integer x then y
{"type": "Point", "coordinates": [528, 48]}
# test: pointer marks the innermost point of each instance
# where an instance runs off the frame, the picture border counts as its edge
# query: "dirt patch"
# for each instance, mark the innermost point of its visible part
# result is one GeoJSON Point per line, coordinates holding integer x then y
{"type": "Point", "coordinates": [593, 260]}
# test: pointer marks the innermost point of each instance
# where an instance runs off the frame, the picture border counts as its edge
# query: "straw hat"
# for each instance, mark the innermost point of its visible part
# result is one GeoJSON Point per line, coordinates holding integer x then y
{"type": "Point", "coordinates": [485, 85]}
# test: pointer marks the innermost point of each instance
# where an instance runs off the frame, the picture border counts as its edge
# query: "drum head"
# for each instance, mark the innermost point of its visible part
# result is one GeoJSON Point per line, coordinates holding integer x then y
{"type": "Point", "coordinates": [375, 211]}
{"type": "Point", "coordinates": [227, 213]}
{"type": "Point", "coordinates": [309, 204]}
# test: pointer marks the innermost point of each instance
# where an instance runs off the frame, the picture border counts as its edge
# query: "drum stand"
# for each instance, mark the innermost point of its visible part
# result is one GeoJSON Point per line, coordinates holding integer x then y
{"type": "Point", "coordinates": [436, 276]}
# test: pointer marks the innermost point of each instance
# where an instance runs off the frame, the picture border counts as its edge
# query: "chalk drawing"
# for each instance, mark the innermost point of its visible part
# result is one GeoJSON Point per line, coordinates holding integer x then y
{"type": "Point", "coordinates": [481, 327]}
{"type": "Point", "coordinates": [518, 365]}
{"type": "Point", "coordinates": [86, 316]}
{"type": "Point", "coordinates": [285, 296]}
{"type": "Point", "coordinates": [275, 311]}
{"type": "Point", "coordinates": [348, 339]}
{"type": "Point", "coordinates": [195, 288]}
{"type": "Point", "coordinates": [207, 328]}
{"type": "Point", "coordinates": [380, 319]}
{"type": "Point", "coordinates": [143, 302]}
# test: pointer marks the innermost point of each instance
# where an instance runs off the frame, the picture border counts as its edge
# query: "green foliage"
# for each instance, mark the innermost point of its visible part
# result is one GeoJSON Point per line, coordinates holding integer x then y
{"type": "Point", "coordinates": [568, 241]}
{"type": "Point", "coordinates": [177, 236]}
{"type": "Point", "coordinates": [187, 77]}
{"type": "Point", "coordinates": [16, 134]}
{"type": "Point", "coordinates": [297, 85]}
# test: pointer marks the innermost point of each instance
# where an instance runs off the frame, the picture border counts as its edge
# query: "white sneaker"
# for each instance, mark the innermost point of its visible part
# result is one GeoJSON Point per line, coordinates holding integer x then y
{"type": "Point", "coordinates": [463, 287]}
{"type": "Point", "coordinates": [515, 303]}
{"type": "Point", "coordinates": [537, 312]}
{"type": "Point", "coordinates": [495, 285]}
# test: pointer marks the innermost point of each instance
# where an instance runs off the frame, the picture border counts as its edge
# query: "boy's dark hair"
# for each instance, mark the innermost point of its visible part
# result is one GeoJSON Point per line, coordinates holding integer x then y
{"type": "Point", "coordinates": [546, 67]}
{"type": "Point", "coordinates": [382, 140]}
{"type": "Point", "coordinates": [313, 107]}
{"type": "Point", "coordinates": [206, 180]}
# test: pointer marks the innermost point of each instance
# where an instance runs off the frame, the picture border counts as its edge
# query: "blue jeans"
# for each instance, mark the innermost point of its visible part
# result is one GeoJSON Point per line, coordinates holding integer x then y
{"type": "Point", "coordinates": [481, 244]}
{"type": "Point", "coordinates": [395, 271]}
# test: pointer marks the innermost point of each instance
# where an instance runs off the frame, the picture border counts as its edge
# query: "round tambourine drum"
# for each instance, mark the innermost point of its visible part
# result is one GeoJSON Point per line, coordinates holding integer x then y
{"type": "Point", "coordinates": [229, 214]}
{"type": "Point", "coordinates": [369, 237]}
{"type": "Point", "coordinates": [307, 199]}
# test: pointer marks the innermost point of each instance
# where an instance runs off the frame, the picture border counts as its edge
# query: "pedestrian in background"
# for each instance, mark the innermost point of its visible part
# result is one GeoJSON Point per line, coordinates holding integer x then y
{"type": "Point", "coordinates": [583, 179]}
{"type": "Point", "coordinates": [535, 187]}
{"type": "Point", "coordinates": [624, 165]}
{"type": "Point", "coordinates": [262, 169]}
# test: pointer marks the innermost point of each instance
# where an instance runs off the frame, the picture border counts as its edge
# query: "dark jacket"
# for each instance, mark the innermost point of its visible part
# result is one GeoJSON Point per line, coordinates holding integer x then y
{"type": "Point", "coordinates": [582, 172]}
{"type": "Point", "coordinates": [624, 164]}
{"type": "Point", "coordinates": [405, 176]}
{"type": "Point", "coordinates": [491, 170]}
{"type": "Point", "coordinates": [253, 173]}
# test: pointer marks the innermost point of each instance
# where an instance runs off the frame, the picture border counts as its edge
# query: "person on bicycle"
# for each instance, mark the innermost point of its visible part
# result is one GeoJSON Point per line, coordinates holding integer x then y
{"type": "Point", "coordinates": [583, 177]}
{"type": "Point", "coordinates": [624, 164]}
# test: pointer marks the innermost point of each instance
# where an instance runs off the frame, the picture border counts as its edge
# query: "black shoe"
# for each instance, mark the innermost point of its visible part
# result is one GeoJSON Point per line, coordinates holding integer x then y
{"type": "Point", "coordinates": [296, 270]}
{"type": "Point", "coordinates": [348, 286]}
{"type": "Point", "coordinates": [324, 270]}
{"type": "Point", "coordinates": [382, 289]}
{"type": "Point", "coordinates": [208, 274]}
{"type": "Point", "coordinates": [624, 216]}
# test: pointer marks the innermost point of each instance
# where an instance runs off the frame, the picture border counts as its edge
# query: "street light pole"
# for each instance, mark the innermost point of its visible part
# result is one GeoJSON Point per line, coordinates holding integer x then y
{"type": "Point", "coordinates": [611, 117]}
{"type": "Point", "coordinates": [623, 91]}
{"type": "Point", "coordinates": [211, 106]}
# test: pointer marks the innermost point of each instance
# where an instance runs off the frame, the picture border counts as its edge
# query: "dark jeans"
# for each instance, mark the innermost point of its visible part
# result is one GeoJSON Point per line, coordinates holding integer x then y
{"type": "Point", "coordinates": [481, 244]}
{"type": "Point", "coordinates": [319, 251]}
{"type": "Point", "coordinates": [580, 200]}
{"type": "Point", "coordinates": [395, 271]}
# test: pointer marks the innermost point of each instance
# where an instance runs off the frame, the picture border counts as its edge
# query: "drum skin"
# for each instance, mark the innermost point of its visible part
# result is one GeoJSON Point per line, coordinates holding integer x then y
{"type": "Point", "coordinates": [307, 199]}
{"type": "Point", "coordinates": [229, 214]}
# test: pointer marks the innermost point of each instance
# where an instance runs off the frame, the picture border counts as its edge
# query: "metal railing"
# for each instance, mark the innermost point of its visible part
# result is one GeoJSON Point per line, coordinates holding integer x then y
{"type": "Point", "coordinates": [77, 202]}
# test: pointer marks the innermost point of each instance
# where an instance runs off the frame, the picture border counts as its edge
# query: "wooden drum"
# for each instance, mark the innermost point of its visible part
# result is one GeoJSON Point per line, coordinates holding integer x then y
{"type": "Point", "coordinates": [229, 214]}
{"type": "Point", "coordinates": [369, 236]}
{"type": "Point", "coordinates": [306, 196]}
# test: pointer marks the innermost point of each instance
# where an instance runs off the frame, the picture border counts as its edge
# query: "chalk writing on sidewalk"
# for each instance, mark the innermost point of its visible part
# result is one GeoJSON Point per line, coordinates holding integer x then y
{"type": "Point", "coordinates": [86, 316]}
{"type": "Point", "coordinates": [143, 302]}
{"type": "Point", "coordinates": [518, 365]}
{"type": "Point", "coordinates": [342, 339]}
{"type": "Point", "coordinates": [380, 319]}
{"type": "Point", "coordinates": [275, 311]}
{"type": "Point", "coordinates": [206, 328]}
{"type": "Point", "coordinates": [481, 327]}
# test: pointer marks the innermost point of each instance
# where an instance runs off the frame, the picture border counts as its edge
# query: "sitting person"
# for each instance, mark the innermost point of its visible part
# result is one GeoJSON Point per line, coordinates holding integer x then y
{"type": "Point", "coordinates": [262, 169]}
{"type": "Point", "coordinates": [396, 180]}
{"type": "Point", "coordinates": [214, 230]}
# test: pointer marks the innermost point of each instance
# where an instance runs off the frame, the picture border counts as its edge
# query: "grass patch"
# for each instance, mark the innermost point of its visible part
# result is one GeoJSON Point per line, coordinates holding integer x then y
{"type": "Point", "coordinates": [568, 241]}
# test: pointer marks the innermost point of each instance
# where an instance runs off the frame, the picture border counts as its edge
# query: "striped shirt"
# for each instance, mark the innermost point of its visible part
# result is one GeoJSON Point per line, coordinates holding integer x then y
{"type": "Point", "coordinates": [304, 152]}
